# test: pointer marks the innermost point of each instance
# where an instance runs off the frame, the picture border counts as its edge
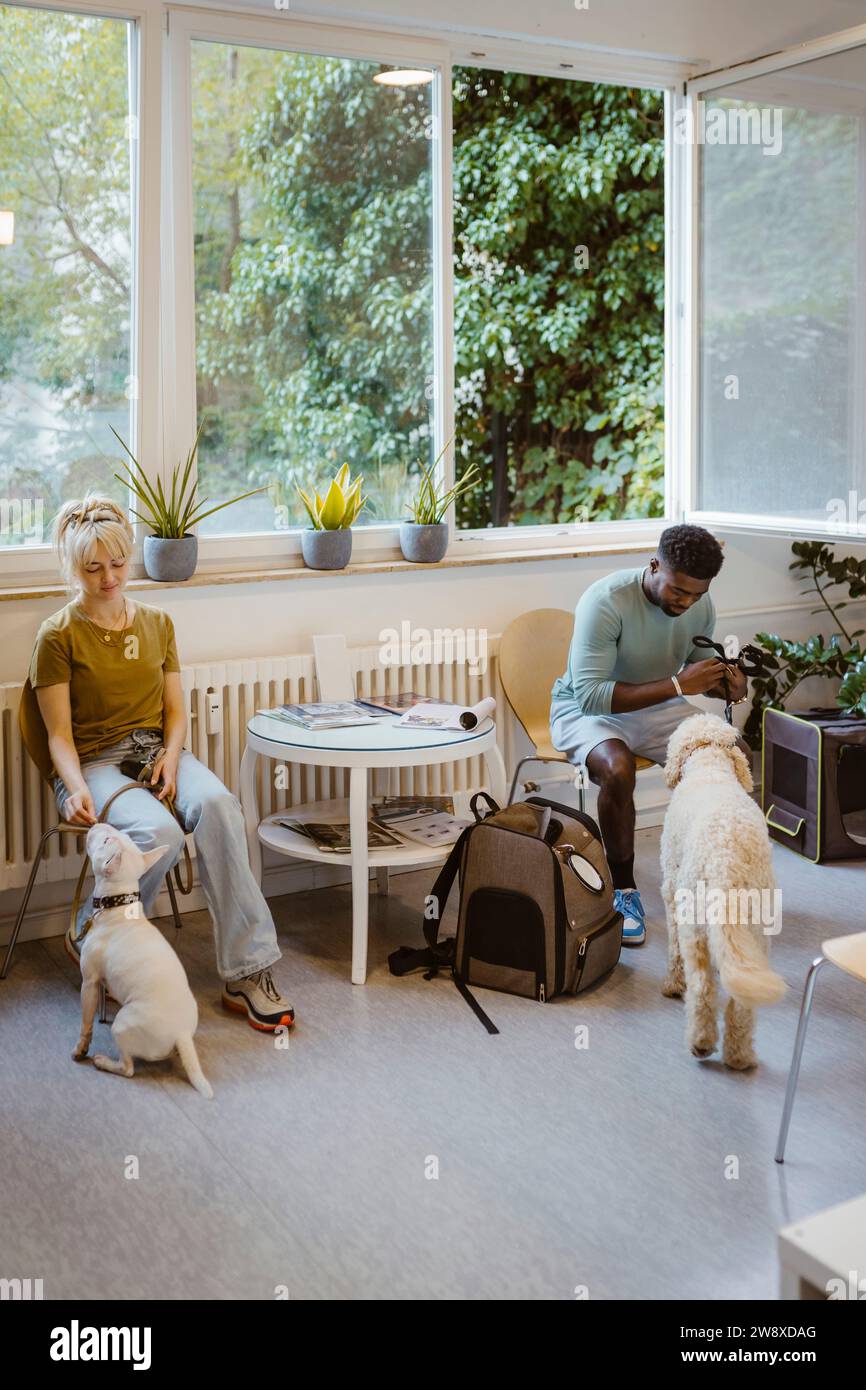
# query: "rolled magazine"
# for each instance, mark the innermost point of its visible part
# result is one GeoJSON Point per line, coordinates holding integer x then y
{"type": "Point", "coordinates": [433, 714]}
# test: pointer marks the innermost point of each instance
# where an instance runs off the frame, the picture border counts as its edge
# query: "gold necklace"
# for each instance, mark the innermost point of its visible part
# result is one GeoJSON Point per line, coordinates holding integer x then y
{"type": "Point", "coordinates": [106, 635]}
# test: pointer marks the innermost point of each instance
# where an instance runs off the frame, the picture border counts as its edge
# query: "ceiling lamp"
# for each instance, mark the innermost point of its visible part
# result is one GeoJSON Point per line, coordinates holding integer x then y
{"type": "Point", "coordinates": [404, 77]}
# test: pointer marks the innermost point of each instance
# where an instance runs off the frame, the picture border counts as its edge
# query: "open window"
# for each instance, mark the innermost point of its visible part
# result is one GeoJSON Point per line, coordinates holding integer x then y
{"type": "Point", "coordinates": [778, 276]}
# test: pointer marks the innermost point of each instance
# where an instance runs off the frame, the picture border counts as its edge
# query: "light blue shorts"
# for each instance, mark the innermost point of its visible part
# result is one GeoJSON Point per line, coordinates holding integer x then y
{"type": "Point", "coordinates": [646, 731]}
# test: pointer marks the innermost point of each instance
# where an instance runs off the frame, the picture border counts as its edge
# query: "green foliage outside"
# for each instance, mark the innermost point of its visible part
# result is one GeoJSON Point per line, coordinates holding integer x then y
{"type": "Point", "coordinates": [313, 264]}
{"type": "Point", "coordinates": [559, 364]}
{"type": "Point", "coordinates": [65, 282]}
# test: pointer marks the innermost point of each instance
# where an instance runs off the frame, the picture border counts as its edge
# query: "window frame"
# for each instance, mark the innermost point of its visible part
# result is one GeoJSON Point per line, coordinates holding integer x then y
{"type": "Point", "coordinates": [165, 309]}
{"type": "Point", "coordinates": [186, 26]}
{"type": "Point", "coordinates": [563, 534]}
{"type": "Point", "coordinates": [37, 563]}
{"type": "Point", "coordinates": [772, 524]}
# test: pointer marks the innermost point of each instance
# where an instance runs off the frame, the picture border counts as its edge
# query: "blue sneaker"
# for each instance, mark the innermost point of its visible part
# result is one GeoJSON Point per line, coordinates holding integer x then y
{"type": "Point", "coordinates": [627, 901]}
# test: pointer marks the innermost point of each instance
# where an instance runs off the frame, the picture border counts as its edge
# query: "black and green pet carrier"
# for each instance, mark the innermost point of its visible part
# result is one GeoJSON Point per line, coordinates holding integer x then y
{"type": "Point", "coordinates": [813, 785]}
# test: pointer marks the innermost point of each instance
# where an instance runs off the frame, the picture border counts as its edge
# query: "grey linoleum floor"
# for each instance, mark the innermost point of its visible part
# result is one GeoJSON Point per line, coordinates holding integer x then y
{"type": "Point", "coordinates": [558, 1167]}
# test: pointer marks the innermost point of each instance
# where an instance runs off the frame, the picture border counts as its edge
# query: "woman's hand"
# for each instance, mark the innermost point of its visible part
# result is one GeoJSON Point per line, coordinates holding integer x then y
{"type": "Point", "coordinates": [79, 808]}
{"type": "Point", "coordinates": [165, 767]}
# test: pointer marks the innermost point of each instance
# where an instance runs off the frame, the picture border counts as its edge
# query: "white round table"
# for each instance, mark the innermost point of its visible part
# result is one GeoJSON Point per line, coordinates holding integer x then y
{"type": "Point", "coordinates": [385, 744]}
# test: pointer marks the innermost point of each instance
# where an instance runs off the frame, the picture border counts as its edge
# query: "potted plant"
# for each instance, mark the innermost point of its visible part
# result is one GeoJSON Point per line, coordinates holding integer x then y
{"type": "Point", "coordinates": [424, 537]}
{"type": "Point", "coordinates": [840, 658]}
{"type": "Point", "coordinates": [171, 550]}
{"type": "Point", "coordinates": [327, 542]}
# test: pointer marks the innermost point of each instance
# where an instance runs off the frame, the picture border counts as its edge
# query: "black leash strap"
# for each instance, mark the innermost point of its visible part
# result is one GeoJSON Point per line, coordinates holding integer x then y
{"type": "Point", "coordinates": [749, 660]}
{"type": "Point", "coordinates": [440, 955]}
{"type": "Point", "coordinates": [474, 1004]}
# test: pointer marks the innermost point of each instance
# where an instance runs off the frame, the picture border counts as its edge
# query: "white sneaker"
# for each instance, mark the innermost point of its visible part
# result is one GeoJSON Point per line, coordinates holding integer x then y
{"type": "Point", "coordinates": [258, 997]}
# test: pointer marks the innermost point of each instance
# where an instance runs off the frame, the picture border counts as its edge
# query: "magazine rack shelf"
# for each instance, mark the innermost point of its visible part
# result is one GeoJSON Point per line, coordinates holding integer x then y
{"type": "Point", "coordinates": [285, 841]}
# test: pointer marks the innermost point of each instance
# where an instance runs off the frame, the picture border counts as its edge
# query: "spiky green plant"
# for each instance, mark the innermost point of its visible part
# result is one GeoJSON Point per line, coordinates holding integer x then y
{"type": "Point", "coordinates": [431, 501]}
{"type": "Point", "coordinates": [339, 507]}
{"type": "Point", "coordinates": [171, 517]}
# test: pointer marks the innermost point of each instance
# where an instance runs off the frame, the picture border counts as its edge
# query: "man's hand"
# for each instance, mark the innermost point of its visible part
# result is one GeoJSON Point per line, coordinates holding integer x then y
{"type": "Point", "coordinates": [737, 686]}
{"type": "Point", "coordinates": [701, 677]}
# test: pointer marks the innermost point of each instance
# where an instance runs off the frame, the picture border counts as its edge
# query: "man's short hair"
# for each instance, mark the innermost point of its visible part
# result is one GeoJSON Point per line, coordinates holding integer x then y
{"type": "Point", "coordinates": [691, 550]}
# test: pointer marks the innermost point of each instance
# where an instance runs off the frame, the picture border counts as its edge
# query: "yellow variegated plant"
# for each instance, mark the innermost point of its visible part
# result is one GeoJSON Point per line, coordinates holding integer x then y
{"type": "Point", "coordinates": [339, 507]}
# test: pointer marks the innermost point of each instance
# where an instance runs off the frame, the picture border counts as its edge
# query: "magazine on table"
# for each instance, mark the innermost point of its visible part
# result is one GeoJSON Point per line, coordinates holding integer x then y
{"type": "Point", "coordinates": [321, 714]}
{"type": "Point", "coordinates": [390, 704]}
{"type": "Point", "coordinates": [438, 714]}
{"type": "Point", "coordinates": [428, 820]}
{"type": "Point", "coordinates": [334, 836]}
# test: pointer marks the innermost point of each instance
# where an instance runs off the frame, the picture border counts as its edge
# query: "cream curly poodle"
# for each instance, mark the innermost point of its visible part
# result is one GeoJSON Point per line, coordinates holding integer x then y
{"type": "Point", "coordinates": [718, 889]}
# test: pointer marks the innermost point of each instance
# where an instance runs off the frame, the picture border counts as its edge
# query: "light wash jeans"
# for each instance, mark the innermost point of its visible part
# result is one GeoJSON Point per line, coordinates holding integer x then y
{"type": "Point", "coordinates": [244, 931]}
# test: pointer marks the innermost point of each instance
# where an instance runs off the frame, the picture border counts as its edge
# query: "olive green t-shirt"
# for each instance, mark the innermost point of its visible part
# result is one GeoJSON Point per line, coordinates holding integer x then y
{"type": "Point", "coordinates": [114, 686]}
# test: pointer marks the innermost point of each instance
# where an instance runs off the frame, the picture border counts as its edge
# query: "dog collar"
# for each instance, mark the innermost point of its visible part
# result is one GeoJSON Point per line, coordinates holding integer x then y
{"type": "Point", "coordinates": [115, 900]}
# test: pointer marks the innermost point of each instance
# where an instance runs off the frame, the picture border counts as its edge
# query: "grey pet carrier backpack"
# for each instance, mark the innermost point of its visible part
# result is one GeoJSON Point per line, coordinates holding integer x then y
{"type": "Point", "coordinates": [813, 782]}
{"type": "Point", "coordinates": [536, 915]}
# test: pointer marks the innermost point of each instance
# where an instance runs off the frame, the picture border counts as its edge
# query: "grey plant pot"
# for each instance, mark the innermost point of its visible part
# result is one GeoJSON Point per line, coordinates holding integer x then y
{"type": "Point", "coordinates": [326, 550]}
{"type": "Point", "coordinates": [170, 558]}
{"type": "Point", "coordinates": [423, 544]}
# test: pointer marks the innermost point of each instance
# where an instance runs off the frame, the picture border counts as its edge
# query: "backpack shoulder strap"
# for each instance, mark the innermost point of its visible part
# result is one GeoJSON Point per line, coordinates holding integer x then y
{"type": "Point", "coordinates": [442, 887]}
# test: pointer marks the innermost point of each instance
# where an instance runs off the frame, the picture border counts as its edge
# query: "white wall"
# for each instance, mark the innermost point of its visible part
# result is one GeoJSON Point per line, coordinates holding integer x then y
{"type": "Point", "coordinates": [754, 592]}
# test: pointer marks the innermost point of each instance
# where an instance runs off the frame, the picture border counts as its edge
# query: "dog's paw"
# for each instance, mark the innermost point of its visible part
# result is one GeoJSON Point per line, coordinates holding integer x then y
{"type": "Point", "coordinates": [703, 1048]}
{"type": "Point", "coordinates": [672, 988]}
{"type": "Point", "coordinates": [736, 1062]}
{"type": "Point", "coordinates": [82, 1047]}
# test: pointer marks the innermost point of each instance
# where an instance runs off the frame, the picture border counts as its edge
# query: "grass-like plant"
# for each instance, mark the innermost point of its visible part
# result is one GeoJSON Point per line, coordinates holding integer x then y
{"type": "Point", "coordinates": [340, 505]}
{"type": "Point", "coordinates": [431, 501]}
{"type": "Point", "coordinates": [171, 517]}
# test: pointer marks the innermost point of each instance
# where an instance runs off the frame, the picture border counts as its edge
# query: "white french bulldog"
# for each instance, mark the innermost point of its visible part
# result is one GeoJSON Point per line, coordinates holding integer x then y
{"type": "Point", "coordinates": [139, 968]}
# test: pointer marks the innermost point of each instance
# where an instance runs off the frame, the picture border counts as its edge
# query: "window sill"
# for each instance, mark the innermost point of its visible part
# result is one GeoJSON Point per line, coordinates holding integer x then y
{"type": "Point", "coordinates": [217, 576]}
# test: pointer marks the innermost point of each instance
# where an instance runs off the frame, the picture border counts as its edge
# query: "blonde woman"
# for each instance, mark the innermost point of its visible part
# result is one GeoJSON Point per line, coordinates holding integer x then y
{"type": "Point", "coordinates": [106, 675]}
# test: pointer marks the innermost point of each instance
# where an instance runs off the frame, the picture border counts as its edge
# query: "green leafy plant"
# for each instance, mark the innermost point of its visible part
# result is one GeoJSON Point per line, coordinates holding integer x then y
{"type": "Point", "coordinates": [171, 517]}
{"type": "Point", "coordinates": [840, 657]}
{"type": "Point", "coordinates": [339, 507]}
{"type": "Point", "coordinates": [431, 501]}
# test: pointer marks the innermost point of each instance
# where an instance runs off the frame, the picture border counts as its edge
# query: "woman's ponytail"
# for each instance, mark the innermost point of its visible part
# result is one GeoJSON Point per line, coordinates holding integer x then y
{"type": "Point", "coordinates": [80, 526]}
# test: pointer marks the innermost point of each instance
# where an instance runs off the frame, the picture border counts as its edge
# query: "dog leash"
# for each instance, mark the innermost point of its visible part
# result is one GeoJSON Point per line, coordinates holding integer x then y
{"type": "Point", "coordinates": [749, 660]}
{"type": "Point", "coordinates": [184, 888]}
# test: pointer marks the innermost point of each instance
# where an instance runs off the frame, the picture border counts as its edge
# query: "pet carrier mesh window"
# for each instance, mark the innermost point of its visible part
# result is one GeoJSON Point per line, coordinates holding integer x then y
{"type": "Point", "coordinates": [790, 774]}
{"type": "Point", "coordinates": [851, 784]}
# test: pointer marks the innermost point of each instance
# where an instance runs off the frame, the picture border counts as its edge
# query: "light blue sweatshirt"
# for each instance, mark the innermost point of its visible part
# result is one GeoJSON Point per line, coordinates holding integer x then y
{"type": "Point", "coordinates": [620, 636]}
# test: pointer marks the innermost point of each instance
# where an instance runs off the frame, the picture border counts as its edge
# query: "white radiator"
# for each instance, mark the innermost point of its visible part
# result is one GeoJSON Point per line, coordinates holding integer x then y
{"type": "Point", "coordinates": [241, 687]}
